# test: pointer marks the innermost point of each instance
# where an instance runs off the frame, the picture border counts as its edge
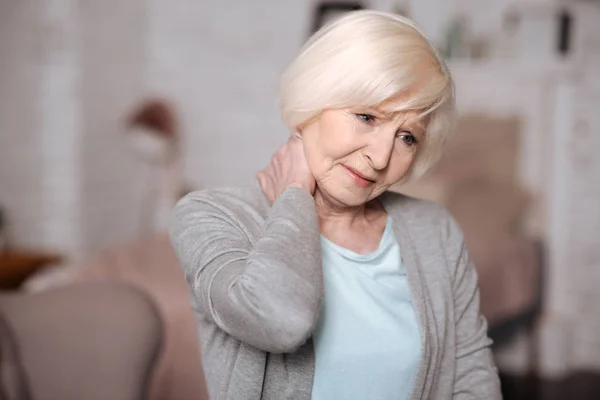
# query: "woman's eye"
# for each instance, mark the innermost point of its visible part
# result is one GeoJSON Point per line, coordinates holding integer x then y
{"type": "Point", "coordinates": [369, 119]}
{"type": "Point", "coordinates": [407, 138]}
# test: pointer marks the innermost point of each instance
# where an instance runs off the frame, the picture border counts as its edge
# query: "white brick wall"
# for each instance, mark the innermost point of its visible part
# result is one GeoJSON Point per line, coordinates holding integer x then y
{"type": "Point", "coordinates": [66, 181]}
{"type": "Point", "coordinates": [221, 64]}
{"type": "Point", "coordinates": [21, 153]}
{"type": "Point", "coordinates": [70, 70]}
{"type": "Point", "coordinates": [569, 334]}
{"type": "Point", "coordinates": [59, 110]}
{"type": "Point", "coordinates": [112, 81]}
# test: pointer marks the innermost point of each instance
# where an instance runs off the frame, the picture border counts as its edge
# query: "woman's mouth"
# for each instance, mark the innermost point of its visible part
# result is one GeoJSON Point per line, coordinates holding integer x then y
{"type": "Point", "coordinates": [359, 179]}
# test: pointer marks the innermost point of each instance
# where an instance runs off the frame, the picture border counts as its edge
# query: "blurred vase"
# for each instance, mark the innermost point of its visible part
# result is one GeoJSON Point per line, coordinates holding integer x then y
{"type": "Point", "coordinates": [153, 137]}
{"type": "Point", "coordinates": [457, 43]}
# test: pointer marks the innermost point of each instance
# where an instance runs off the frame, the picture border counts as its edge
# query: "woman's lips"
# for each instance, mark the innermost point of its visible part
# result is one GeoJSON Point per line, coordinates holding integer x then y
{"type": "Point", "coordinates": [359, 179]}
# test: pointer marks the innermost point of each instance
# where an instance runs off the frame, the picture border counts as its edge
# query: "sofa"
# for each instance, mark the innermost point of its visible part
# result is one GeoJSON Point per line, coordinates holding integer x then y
{"type": "Point", "coordinates": [148, 264]}
{"type": "Point", "coordinates": [92, 341]}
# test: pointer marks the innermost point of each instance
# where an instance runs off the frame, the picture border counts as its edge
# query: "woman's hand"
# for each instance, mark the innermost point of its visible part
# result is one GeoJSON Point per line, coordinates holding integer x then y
{"type": "Point", "coordinates": [288, 168]}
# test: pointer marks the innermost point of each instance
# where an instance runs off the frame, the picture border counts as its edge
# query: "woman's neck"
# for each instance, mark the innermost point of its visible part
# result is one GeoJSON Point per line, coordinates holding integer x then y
{"type": "Point", "coordinates": [358, 229]}
{"type": "Point", "coordinates": [331, 213]}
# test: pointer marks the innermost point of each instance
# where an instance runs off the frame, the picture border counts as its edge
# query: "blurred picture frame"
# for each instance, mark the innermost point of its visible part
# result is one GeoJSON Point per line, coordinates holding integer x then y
{"type": "Point", "coordinates": [325, 11]}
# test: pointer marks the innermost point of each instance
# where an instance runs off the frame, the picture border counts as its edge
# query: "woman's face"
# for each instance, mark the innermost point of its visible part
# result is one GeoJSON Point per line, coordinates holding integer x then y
{"type": "Point", "coordinates": [356, 154]}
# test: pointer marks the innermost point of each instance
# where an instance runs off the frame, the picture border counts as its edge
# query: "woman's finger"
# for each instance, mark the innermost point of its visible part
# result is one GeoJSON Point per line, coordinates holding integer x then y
{"type": "Point", "coordinates": [261, 179]}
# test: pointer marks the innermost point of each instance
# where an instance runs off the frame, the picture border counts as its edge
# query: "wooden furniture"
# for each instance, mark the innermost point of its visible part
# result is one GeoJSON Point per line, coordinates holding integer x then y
{"type": "Point", "coordinates": [16, 266]}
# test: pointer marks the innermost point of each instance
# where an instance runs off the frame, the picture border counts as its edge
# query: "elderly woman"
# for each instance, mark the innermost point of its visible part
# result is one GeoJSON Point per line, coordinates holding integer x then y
{"type": "Point", "coordinates": [316, 283]}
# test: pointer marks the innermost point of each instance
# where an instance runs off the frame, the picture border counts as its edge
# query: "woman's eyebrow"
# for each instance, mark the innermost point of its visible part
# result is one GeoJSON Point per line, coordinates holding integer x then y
{"type": "Point", "coordinates": [383, 113]}
{"type": "Point", "coordinates": [416, 127]}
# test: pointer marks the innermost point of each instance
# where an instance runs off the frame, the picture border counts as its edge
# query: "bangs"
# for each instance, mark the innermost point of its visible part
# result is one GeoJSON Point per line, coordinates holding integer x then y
{"type": "Point", "coordinates": [421, 86]}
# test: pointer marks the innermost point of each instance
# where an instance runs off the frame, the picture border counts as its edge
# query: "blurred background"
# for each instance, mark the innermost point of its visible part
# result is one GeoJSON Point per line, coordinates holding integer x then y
{"type": "Point", "coordinates": [111, 110]}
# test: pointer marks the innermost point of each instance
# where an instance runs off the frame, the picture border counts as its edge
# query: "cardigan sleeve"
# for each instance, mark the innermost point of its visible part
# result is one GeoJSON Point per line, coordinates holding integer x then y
{"type": "Point", "coordinates": [266, 293]}
{"type": "Point", "coordinates": [476, 376]}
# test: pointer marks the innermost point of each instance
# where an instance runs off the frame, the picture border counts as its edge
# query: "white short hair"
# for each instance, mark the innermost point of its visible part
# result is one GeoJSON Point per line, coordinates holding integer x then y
{"type": "Point", "coordinates": [364, 59]}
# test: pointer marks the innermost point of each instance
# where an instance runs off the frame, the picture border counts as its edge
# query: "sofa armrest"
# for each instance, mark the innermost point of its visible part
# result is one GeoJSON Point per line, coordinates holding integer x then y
{"type": "Point", "coordinates": [13, 384]}
{"type": "Point", "coordinates": [86, 341]}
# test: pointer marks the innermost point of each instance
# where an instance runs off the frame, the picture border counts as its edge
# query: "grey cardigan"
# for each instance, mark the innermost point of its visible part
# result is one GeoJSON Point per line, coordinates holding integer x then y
{"type": "Point", "coordinates": [256, 287]}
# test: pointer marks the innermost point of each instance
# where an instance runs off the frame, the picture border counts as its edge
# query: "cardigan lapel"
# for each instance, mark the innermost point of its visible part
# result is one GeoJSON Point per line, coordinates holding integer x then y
{"type": "Point", "coordinates": [421, 385]}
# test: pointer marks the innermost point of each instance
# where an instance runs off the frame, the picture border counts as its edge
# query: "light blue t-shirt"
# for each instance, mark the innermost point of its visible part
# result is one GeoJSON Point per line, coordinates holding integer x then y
{"type": "Point", "coordinates": [367, 341]}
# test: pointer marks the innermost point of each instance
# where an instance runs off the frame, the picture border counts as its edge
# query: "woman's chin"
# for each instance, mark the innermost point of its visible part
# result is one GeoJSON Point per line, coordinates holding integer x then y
{"type": "Point", "coordinates": [345, 197]}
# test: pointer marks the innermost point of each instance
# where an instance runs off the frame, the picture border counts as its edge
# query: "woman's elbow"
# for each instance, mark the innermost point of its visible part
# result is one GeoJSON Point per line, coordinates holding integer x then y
{"type": "Point", "coordinates": [286, 318]}
{"type": "Point", "coordinates": [293, 330]}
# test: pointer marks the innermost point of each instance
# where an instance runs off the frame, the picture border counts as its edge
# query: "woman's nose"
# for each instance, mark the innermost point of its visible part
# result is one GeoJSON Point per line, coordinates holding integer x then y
{"type": "Point", "coordinates": [379, 151]}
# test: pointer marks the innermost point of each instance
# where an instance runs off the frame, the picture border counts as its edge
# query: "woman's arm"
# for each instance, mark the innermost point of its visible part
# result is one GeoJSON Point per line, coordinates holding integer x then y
{"type": "Point", "coordinates": [267, 295]}
{"type": "Point", "coordinates": [476, 376]}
